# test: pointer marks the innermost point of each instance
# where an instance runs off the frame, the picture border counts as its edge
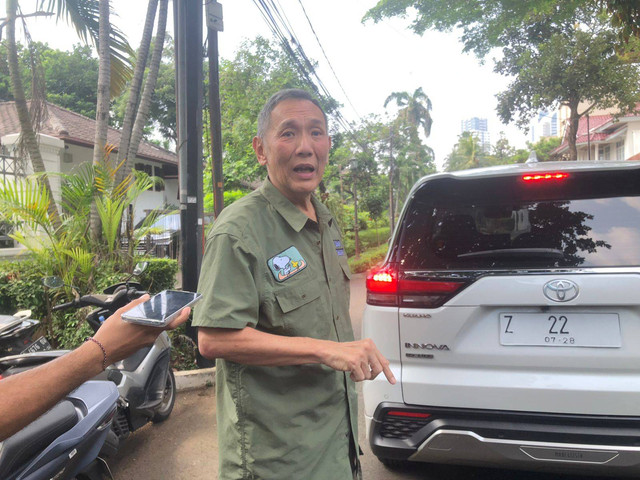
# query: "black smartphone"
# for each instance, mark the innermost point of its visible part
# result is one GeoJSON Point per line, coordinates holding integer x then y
{"type": "Point", "coordinates": [162, 308]}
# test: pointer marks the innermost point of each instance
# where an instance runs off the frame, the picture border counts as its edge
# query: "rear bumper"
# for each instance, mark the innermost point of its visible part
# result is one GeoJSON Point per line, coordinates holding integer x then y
{"type": "Point", "coordinates": [533, 441]}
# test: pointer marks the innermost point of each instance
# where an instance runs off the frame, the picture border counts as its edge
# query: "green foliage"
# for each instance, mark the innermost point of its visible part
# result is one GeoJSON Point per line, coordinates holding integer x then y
{"type": "Point", "coordinates": [159, 275]}
{"type": "Point", "coordinates": [574, 65]}
{"type": "Point", "coordinates": [21, 288]}
{"type": "Point", "coordinates": [67, 250]}
{"type": "Point", "coordinates": [467, 153]}
{"type": "Point", "coordinates": [544, 147]}
{"type": "Point", "coordinates": [258, 70]}
{"type": "Point", "coordinates": [369, 239]}
{"type": "Point", "coordinates": [229, 196]}
{"type": "Point", "coordinates": [368, 259]}
{"type": "Point", "coordinates": [70, 77]}
{"type": "Point", "coordinates": [70, 329]}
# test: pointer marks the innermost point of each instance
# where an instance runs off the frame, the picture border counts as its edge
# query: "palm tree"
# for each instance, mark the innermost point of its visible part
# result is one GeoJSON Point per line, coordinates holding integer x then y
{"type": "Point", "coordinates": [84, 17]}
{"type": "Point", "coordinates": [28, 137]}
{"type": "Point", "coordinates": [149, 87]}
{"type": "Point", "coordinates": [136, 82]}
{"type": "Point", "coordinates": [414, 115]}
{"type": "Point", "coordinates": [415, 109]}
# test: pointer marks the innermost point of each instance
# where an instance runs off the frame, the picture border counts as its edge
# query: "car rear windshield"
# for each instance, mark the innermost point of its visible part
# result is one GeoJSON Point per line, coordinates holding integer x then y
{"type": "Point", "coordinates": [591, 219]}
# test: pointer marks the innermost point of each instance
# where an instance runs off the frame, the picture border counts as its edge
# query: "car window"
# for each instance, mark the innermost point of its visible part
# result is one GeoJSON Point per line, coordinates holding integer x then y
{"type": "Point", "coordinates": [464, 232]}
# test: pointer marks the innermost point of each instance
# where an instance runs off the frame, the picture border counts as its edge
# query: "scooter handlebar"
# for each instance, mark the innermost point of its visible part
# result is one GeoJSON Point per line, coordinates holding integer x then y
{"type": "Point", "coordinates": [64, 306]}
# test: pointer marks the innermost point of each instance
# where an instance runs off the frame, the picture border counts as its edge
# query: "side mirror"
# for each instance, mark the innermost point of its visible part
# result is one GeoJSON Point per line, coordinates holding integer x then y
{"type": "Point", "coordinates": [53, 282]}
{"type": "Point", "coordinates": [140, 267]}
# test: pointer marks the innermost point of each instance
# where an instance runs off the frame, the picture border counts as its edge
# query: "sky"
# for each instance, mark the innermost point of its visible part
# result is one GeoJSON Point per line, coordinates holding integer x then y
{"type": "Point", "coordinates": [370, 61]}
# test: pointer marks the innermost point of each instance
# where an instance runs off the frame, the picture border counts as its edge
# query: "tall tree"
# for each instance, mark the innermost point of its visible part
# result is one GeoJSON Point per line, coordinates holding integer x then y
{"type": "Point", "coordinates": [415, 109]}
{"type": "Point", "coordinates": [135, 87]}
{"type": "Point", "coordinates": [28, 132]}
{"type": "Point", "coordinates": [483, 22]}
{"type": "Point", "coordinates": [149, 86]}
{"type": "Point", "coordinates": [104, 81]}
{"type": "Point", "coordinates": [70, 78]}
{"type": "Point", "coordinates": [409, 159]}
{"type": "Point", "coordinates": [576, 66]}
{"type": "Point", "coordinates": [102, 107]}
{"type": "Point", "coordinates": [84, 17]}
{"type": "Point", "coordinates": [467, 153]}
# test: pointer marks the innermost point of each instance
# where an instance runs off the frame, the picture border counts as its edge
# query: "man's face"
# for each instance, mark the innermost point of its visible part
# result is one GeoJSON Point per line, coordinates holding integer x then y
{"type": "Point", "coordinates": [295, 149]}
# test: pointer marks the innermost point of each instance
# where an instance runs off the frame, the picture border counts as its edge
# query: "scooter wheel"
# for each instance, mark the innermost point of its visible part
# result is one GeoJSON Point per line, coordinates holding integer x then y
{"type": "Point", "coordinates": [168, 400]}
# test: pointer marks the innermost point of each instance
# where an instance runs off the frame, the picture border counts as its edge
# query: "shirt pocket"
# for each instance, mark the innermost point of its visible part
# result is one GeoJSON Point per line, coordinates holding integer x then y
{"type": "Point", "coordinates": [301, 308]}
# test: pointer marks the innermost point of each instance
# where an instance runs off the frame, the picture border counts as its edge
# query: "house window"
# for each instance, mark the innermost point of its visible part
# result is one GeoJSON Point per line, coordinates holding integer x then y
{"type": "Point", "coordinates": [158, 172]}
{"type": "Point", "coordinates": [604, 153]}
{"type": "Point", "coordinates": [620, 150]}
{"type": "Point", "coordinates": [151, 170]}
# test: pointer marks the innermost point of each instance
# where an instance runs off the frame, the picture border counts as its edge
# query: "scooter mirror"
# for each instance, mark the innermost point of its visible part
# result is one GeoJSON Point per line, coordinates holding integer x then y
{"type": "Point", "coordinates": [140, 267]}
{"type": "Point", "coordinates": [52, 282]}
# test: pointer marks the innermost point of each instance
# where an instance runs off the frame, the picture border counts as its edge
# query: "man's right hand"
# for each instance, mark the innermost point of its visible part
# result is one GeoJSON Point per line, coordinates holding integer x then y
{"type": "Point", "coordinates": [361, 357]}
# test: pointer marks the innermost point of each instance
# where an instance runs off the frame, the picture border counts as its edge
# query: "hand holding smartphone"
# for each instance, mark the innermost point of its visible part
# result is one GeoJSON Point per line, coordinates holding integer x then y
{"type": "Point", "coordinates": [162, 308]}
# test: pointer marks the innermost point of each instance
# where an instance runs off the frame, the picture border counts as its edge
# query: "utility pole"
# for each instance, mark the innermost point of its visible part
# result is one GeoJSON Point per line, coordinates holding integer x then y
{"type": "Point", "coordinates": [356, 225]}
{"type": "Point", "coordinates": [215, 25]}
{"type": "Point", "coordinates": [187, 16]}
{"type": "Point", "coordinates": [392, 213]}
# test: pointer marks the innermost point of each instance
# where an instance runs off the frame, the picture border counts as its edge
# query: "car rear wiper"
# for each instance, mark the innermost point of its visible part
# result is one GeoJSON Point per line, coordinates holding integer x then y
{"type": "Point", "coordinates": [553, 253]}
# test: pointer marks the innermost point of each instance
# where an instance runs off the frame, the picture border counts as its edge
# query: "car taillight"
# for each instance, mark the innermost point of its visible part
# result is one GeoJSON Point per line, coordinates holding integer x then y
{"type": "Point", "coordinates": [544, 177]}
{"type": "Point", "coordinates": [384, 288]}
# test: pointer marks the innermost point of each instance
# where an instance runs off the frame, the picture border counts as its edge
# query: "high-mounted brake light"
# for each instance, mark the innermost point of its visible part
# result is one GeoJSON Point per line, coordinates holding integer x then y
{"type": "Point", "coordinates": [543, 177]}
{"type": "Point", "coordinates": [384, 288]}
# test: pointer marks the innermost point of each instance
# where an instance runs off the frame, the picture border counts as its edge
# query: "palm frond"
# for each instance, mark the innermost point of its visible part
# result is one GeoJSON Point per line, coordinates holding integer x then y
{"type": "Point", "coordinates": [84, 16]}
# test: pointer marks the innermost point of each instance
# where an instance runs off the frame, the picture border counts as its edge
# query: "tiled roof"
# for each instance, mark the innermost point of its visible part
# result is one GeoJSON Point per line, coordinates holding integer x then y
{"type": "Point", "coordinates": [77, 129]}
{"type": "Point", "coordinates": [596, 122]}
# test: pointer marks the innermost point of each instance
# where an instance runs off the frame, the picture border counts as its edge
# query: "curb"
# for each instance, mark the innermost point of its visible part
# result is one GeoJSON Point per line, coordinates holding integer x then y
{"type": "Point", "coordinates": [195, 379]}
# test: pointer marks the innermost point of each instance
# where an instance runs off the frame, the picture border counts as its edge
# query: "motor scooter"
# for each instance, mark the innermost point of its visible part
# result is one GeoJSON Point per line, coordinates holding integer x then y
{"type": "Point", "coordinates": [145, 380]}
{"type": "Point", "coordinates": [16, 334]}
{"type": "Point", "coordinates": [66, 442]}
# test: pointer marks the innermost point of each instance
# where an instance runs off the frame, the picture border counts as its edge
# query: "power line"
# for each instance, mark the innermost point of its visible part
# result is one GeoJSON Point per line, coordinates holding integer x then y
{"type": "Point", "coordinates": [282, 31]}
{"type": "Point", "coordinates": [335, 75]}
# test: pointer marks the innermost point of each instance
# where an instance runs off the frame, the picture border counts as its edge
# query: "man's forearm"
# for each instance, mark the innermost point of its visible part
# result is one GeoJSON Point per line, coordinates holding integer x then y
{"type": "Point", "coordinates": [252, 347]}
{"type": "Point", "coordinates": [25, 396]}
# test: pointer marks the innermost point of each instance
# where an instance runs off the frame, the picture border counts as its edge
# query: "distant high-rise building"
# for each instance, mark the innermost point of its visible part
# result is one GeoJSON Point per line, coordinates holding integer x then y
{"type": "Point", "coordinates": [546, 125]}
{"type": "Point", "coordinates": [478, 127]}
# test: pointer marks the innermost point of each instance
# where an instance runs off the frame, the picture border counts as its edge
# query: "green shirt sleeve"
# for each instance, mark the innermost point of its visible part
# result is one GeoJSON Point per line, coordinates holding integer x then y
{"type": "Point", "coordinates": [228, 285]}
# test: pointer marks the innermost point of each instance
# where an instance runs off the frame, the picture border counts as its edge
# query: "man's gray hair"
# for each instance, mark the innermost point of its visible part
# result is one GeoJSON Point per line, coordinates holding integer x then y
{"type": "Point", "coordinates": [264, 119]}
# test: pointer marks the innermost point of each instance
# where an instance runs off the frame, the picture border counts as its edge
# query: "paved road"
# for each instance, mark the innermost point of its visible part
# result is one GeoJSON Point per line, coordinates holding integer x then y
{"type": "Point", "coordinates": [185, 446]}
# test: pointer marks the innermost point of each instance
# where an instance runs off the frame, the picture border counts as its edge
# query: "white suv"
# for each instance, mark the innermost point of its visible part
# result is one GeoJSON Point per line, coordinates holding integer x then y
{"type": "Point", "coordinates": [509, 307]}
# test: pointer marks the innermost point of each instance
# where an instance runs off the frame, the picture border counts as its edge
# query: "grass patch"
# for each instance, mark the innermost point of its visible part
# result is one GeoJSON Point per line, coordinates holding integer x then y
{"type": "Point", "coordinates": [368, 259]}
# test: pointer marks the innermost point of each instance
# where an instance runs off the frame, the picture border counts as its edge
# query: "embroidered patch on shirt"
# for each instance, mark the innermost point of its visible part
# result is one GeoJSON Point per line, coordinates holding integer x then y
{"type": "Point", "coordinates": [337, 243]}
{"type": "Point", "coordinates": [340, 251]}
{"type": "Point", "coordinates": [286, 264]}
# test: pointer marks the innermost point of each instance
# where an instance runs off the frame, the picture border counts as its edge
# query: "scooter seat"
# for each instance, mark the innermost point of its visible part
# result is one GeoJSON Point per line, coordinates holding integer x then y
{"type": "Point", "coordinates": [18, 449]}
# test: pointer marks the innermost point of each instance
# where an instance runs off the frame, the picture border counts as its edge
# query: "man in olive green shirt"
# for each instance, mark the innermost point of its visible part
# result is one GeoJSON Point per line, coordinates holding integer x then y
{"type": "Point", "coordinates": [275, 314]}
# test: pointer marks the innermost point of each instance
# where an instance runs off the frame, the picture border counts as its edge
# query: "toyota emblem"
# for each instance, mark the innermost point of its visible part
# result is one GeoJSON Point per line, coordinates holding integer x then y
{"type": "Point", "coordinates": [560, 290]}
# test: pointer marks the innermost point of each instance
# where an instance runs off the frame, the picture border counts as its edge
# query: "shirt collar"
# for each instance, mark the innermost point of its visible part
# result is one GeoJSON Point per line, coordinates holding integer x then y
{"type": "Point", "coordinates": [294, 217]}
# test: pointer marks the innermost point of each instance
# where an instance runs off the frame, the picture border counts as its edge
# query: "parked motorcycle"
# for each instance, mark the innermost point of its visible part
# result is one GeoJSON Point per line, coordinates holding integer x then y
{"type": "Point", "coordinates": [145, 380]}
{"type": "Point", "coordinates": [66, 442]}
{"type": "Point", "coordinates": [16, 334]}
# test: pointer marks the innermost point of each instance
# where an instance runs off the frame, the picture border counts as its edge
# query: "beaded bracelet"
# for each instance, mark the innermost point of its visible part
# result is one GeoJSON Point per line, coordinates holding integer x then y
{"type": "Point", "coordinates": [104, 352]}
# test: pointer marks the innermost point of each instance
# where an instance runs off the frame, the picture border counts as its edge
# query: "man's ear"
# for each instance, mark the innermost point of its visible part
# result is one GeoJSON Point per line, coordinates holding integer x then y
{"type": "Point", "coordinates": [258, 147]}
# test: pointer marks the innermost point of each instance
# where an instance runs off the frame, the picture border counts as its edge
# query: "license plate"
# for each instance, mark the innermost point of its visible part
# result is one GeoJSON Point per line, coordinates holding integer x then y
{"type": "Point", "coordinates": [40, 345]}
{"type": "Point", "coordinates": [560, 329]}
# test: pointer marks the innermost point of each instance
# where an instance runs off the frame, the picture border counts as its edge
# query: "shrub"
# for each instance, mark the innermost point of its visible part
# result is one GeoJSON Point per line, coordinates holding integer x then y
{"type": "Point", "coordinates": [21, 288]}
{"type": "Point", "coordinates": [159, 275]}
{"type": "Point", "coordinates": [368, 259]}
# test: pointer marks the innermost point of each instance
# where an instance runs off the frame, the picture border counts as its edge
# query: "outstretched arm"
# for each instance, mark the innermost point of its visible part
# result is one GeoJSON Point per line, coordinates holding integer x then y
{"type": "Point", "coordinates": [27, 395]}
{"type": "Point", "coordinates": [252, 347]}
